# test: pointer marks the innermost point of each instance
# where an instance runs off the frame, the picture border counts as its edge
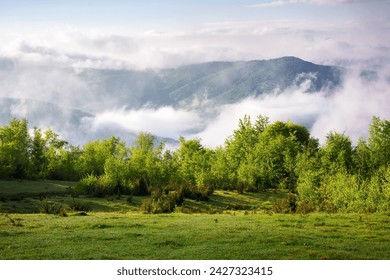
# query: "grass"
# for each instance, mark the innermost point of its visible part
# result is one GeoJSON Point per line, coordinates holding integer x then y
{"type": "Point", "coordinates": [243, 228]}
{"type": "Point", "coordinates": [34, 187]}
{"type": "Point", "coordinates": [28, 196]}
{"type": "Point", "coordinates": [198, 236]}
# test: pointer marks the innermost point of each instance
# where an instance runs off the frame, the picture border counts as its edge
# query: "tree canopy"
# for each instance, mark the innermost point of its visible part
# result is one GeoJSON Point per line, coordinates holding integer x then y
{"type": "Point", "coordinates": [258, 156]}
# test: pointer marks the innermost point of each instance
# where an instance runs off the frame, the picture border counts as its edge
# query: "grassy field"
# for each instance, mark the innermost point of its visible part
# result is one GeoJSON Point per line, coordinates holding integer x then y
{"type": "Point", "coordinates": [241, 227]}
{"type": "Point", "coordinates": [29, 197]}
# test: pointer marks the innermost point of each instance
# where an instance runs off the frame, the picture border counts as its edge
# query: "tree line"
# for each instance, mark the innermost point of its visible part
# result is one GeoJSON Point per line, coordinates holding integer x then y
{"type": "Point", "coordinates": [337, 176]}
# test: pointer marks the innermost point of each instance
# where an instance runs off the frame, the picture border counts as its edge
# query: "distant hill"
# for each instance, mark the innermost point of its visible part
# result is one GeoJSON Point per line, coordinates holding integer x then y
{"type": "Point", "coordinates": [217, 83]}
{"type": "Point", "coordinates": [193, 87]}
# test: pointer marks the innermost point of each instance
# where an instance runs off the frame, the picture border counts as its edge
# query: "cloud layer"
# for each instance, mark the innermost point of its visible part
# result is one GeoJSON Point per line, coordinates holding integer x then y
{"type": "Point", "coordinates": [365, 93]}
{"type": "Point", "coordinates": [310, 39]}
{"type": "Point", "coordinates": [349, 110]}
{"type": "Point", "coordinates": [165, 121]}
{"type": "Point", "coordinates": [42, 64]}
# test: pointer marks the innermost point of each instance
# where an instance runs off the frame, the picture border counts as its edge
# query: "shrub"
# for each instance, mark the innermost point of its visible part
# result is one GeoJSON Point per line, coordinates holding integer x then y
{"type": "Point", "coordinates": [161, 202]}
{"type": "Point", "coordinates": [305, 207]}
{"type": "Point", "coordinates": [177, 196]}
{"type": "Point", "coordinates": [141, 187]}
{"type": "Point", "coordinates": [308, 185]}
{"type": "Point", "coordinates": [378, 191]}
{"type": "Point", "coordinates": [341, 192]}
{"type": "Point", "coordinates": [78, 206]}
{"type": "Point", "coordinates": [158, 206]}
{"type": "Point", "coordinates": [192, 192]}
{"type": "Point", "coordinates": [51, 207]}
{"type": "Point", "coordinates": [87, 185]}
{"type": "Point", "coordinates": [99, 186]}
{"type": "Point", "coordinates": [286, 205]}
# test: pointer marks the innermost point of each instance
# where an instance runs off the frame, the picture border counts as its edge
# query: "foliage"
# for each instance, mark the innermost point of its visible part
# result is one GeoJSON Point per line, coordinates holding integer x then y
{"type": "Point", "coordinates": [51, 207]}
{"type": "Point", "coordinates": [162, 202]}
{"type": "Point", "coordinates": [193, 168]}
{"type": "Point", "coordinates": [259, 156]}
{"type": "Point", "coordinates": [286, 205]}
{"type": "Point", "coordinates": [141, 187]}
{"type": "Point", "coordinates": [14, 149]}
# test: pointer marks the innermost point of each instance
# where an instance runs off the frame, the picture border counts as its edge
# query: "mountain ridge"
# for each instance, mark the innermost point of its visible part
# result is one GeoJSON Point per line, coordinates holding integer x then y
{"type": "Point", "coordinates": [228, 82]}
{"type": "Point", "coordinates": [202, 88]}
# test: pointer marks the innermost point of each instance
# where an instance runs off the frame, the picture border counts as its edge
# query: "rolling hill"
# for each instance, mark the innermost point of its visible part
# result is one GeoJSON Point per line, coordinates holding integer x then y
{"type": "Point", "coordinates": [72, 98]}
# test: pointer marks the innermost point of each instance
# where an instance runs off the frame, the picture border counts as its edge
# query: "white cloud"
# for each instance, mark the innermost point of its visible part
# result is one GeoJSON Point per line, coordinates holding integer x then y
{"type": "Point", "coordinates": [311, 40]}
{"type": "Point", "coordinates": [45, 62]}
{"type": "Point", "coordinates": [293, 104]}
{"type": "Point", "coordinates": [44, 81]}
{"type": "Point", "coordinates": [271, 4]}
{"type": "Point", "coordinates": [164, 122]}
{"type": "Point", "coordinates": [280, 3]}
{"type": "Point", "coordinates": [349, 110]}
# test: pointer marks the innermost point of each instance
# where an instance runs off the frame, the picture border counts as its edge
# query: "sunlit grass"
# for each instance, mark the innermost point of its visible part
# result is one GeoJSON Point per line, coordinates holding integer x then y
{"type": "Point", "coordinates": [228, 226]}
{"type": "Point", "coordinates": [197, 236]}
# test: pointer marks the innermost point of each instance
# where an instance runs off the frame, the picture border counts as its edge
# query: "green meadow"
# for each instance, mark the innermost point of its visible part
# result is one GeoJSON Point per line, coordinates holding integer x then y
{"type": "Point", "coordinates": [228, 226]}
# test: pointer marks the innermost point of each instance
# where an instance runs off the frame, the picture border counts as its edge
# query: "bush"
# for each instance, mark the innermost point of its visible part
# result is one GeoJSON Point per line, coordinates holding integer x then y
{"type": "Point", "coordinates": [305, 207]}
{"type": "Point", "coordinates": [286, 205]}
{"type": "Point", "coordinates": [141, 187]}
{"type": "Point", "coordinates": [100, 186]}
{"type": "Point", "coordinates": [308, 185]}
{"type": "Point", "coordinates": [78, 206]}
{"type": "Point", "coordinates": [341, 192]}
{"type": "Point", "coordinates": [88, 185]}
{"type": "Point", "coordinates": [158, 206]}
{"type": "Point", "coordinates": [194, 193]}
{"type": "Point", "coordinates": [378, 191]}
{"type": "Point", "coordinates": [161, 202]}
{"type": "Point", "coordinates": [50, 207]}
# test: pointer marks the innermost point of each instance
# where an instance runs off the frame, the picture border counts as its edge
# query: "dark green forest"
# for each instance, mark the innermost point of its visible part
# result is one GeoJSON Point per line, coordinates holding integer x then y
{"type": "Point", "coordinates": [259, 156]}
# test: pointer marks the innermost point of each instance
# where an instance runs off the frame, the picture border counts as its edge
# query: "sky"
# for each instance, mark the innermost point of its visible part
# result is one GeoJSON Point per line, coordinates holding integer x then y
{"type": "Point", "coordinates": [45, 37]}
{"type": "Point", "coordinates": [150, 34]}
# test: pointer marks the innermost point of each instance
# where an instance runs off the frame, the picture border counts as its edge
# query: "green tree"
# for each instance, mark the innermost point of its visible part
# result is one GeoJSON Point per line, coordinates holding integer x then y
{"type": "Point", "coordinates": [220, 171]}
{"type": "Point", "coordinates": [39, 160]}
{"type": "Point", "coordinates": [55, 152]}
{"type": "Point", "coordinates": [362, 160]}
{"type": "Point", "coordinates": [15, 145]}
{"type": "Point", "coordinates": [378, 191]}
{"type": "Point", "coordinates": [96, 153]}
{"type": "Point", "coordinates": [239, 152]}
{"type": "Point", "coordinates": [145, 163]}
{"type": "Point", "coordinates": [379, 142]}
{"type": "Point", "coordinates": [193, 167]}
{"type": "Point", "coordinates": [67, 167]}
{"type": "Point", "coordinates": [287, 129]}
{"type": "Point", "coordinates": [275, 157]}
{"type": "Point", "coordinates": [336, 154]}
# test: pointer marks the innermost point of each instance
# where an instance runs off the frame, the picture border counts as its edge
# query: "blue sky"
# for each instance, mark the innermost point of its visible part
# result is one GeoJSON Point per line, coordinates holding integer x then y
{"type": "Point", "coordinates": [170, 13]}
{"type": "Point", "coordinates": [169, 33]}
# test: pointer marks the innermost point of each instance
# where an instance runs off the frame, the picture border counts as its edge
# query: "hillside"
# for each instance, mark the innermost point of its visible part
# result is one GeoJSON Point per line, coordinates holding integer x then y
{"type": "Point", "coordinates": [70, 100]}
{"type": "Point", "coordinates": [218, 83]}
